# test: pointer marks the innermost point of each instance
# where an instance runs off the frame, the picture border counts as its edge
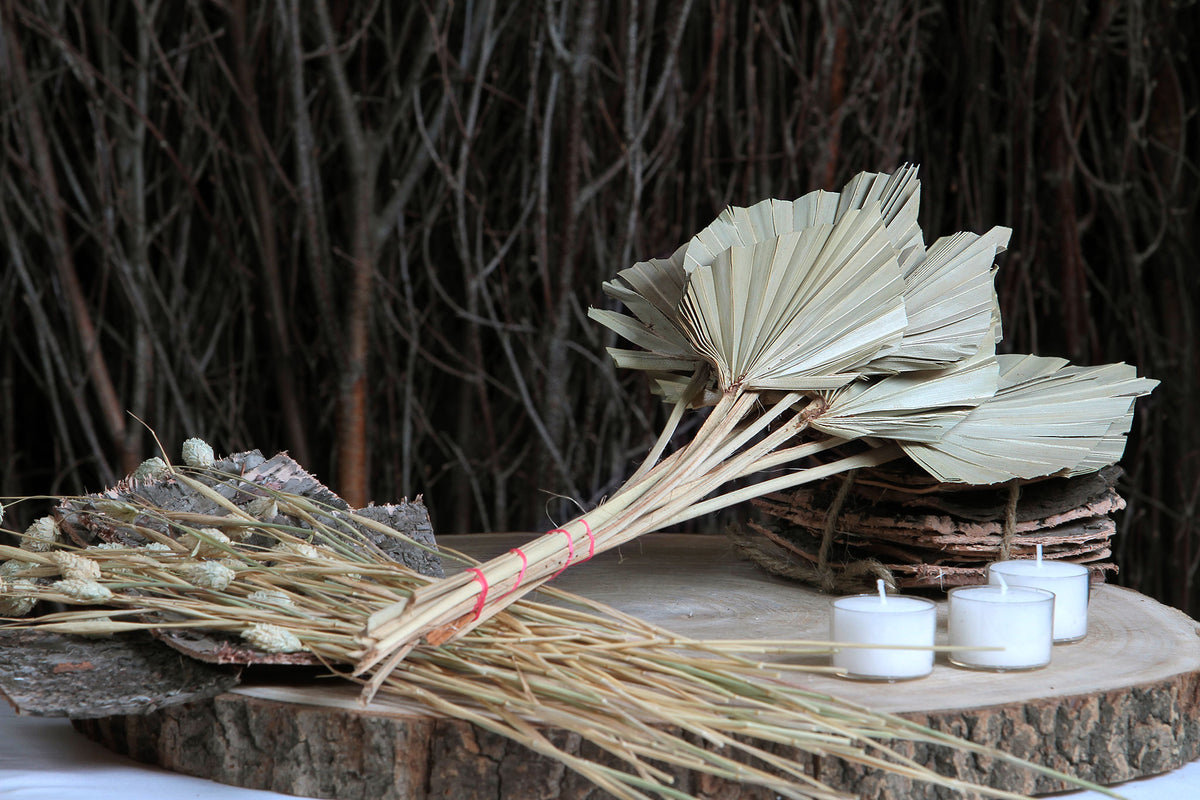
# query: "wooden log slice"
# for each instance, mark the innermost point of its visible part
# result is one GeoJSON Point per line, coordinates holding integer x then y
{"type": "Point", "coordinates": [1123, 703]}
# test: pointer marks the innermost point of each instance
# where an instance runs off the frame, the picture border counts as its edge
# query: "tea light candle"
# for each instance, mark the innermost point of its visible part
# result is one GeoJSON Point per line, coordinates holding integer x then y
{"type": "Point", "coordinates": [883, 620]}
{"type": "Point", "coordinates": [1068, 581]}
{"type": "Point", "coordinates": [1019, 619]}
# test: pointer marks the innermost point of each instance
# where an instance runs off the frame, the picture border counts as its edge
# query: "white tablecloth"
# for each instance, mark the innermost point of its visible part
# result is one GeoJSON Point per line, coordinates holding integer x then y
{"type": "Point", "coordinates": [45, 759]}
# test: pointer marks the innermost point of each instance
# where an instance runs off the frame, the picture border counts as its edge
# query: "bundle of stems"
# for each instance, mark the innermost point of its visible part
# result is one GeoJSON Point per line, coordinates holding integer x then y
{"type": "Point", "coordinates": [653, 703]}
{"type": "Point", "coordinates": [735, 441]}
{"type": "Point", "coordinates": [809, 325]}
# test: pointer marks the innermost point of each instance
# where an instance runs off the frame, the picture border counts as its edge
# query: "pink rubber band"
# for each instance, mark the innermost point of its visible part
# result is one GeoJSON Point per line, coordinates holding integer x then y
{"type": "Point", "coordinates": [591, 541]}
{"type": "Point", "coordinates": [479, 601]}
{"type": "Point", "coordinates": [570, 551]}
{"type": "Point", "coordinates": [521, 574]}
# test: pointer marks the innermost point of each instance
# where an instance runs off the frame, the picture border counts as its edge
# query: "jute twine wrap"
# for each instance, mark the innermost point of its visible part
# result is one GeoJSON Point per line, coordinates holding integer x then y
{"type": "Point", "coordinates": [1010, 520]}
{"type": "Point", "coordinates": [830, 577]}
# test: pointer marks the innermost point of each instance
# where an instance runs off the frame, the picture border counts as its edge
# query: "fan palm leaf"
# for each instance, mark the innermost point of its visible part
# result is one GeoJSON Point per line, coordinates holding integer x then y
{"type": "Point", "coordinates": [651, 290]}
{"type": "Point", "coordinates": [950, 300]}
{"type": "Point", "coordinates": [898, 196]}
{"type": "Point", "coordinates": [799, 311]}
{"type": "Point", "coordinates": [1046, 418]}
{"type": "Point", "coordinates": [920, 406]}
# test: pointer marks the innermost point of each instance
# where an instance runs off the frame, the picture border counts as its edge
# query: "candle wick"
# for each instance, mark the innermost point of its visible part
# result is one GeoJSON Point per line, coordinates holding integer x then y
{"type": "Point", "coordinates": [882, 591]}
{"type": "Point", "coordinates": [1003, 583]}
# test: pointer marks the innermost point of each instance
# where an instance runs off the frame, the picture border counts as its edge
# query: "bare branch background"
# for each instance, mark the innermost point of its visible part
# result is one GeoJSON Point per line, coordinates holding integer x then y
{"type": "Point", "coordinates": [368, 232]}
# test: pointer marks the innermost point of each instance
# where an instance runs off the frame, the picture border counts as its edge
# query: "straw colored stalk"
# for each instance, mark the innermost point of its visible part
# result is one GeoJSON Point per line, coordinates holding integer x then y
{"type": "Point", "coordinates": [641, 694]}
{"type": "Point", "coordinates": [735, 441]}
{"type": "Point", "coordinates": [623, 682]}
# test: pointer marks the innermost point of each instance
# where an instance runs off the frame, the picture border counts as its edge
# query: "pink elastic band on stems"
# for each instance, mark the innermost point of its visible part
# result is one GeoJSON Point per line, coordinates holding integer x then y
{"type": "Point", "coordinates": [479, 601]}
{"type": "Point", "coordinates": [570, 551]}
{"type": "Point", "coordinates": [591, 541]}
{"type": "Point", "coordinates": [521, 574]}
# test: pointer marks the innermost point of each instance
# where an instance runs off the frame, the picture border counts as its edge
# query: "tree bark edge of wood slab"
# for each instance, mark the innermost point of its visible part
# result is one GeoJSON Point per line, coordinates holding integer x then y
{"type": "Point", "coordinates": [1121, 704]}
{"type": "Point", "coordinates": [314, 751]}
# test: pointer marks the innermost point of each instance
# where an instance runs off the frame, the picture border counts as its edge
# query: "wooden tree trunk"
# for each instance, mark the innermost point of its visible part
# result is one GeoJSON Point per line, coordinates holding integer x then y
{"type": "Point", "coordinates": [1123, 703]}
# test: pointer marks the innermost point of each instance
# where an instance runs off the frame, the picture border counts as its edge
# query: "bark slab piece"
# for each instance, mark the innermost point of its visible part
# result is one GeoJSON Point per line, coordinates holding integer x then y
{"type": "Point", "coordinates": [1121, 704]}
{"type": "Point", "coordinates": [411, 519]}
{"type": "Point", "coordinates": [241, 479]}
{"type": "Point", "coordinates": [225, 649]}
{"type": "Point", "coordinates": [57, 675]}
{"type": "Point", "coordinates": [1039, 499]}
{"type": "Point", "coordinates": [79, 520]}
{"type": "Point", "coordinates": [926, 534]}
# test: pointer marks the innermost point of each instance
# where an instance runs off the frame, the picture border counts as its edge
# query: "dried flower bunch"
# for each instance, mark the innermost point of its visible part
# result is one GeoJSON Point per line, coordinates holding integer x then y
{"type": "Point", "coordinates": [827, 337]}
{"type": "Point", "coordinates": [641, 694]}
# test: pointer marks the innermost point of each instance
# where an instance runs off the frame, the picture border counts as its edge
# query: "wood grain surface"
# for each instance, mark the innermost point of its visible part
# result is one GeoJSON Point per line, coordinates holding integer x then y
{"type": "Point", "coordinates": [1123, 703]}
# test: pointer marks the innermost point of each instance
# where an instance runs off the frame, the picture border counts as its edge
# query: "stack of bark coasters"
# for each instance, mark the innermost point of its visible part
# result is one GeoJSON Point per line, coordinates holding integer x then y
{"type": "Point", "coordinates": [903, 526]}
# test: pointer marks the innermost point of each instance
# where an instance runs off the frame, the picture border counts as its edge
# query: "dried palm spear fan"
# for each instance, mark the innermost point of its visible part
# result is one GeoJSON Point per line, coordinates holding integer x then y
{"type": "Point", "coordinates": [290, 578]}
{"type": "Point", "coordinates": [824, 325]}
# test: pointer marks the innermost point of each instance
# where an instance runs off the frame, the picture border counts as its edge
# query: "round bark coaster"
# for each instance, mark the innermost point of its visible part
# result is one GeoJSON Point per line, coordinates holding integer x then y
{"type": "Point", "coordinates": [1123, 703]}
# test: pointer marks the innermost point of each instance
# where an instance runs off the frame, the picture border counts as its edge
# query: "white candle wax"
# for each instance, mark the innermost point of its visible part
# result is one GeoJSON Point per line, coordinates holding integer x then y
{"type": "Point", "coordinates": [1018, 619]}
{"type": "Point", "coordinates": [883, 620]}
{"type": "Point", "coordinates": [1068, 581]}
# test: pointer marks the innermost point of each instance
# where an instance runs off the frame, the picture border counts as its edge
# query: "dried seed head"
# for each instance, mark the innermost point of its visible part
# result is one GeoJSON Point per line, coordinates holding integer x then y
{"type": "Point", "coordinates": [272, 638]}
{"type": "Point", "coordinates": [263, 508]}
{"type": "Point", "coordinates": [298, 549]}
{"type": "Point", "coordinates": [159, 547]}
{"type": "Point", "coordinates": [13, 603]}
{"type": "Point", "coordinates": [88, 591]}
{"type": "Point", "coordinates": [208, 575]}
{"type": "Point", "coordinates": [13, 566]}
{"type": "Point", "coordinates": [151, 469]}
{"type": "Point", "coordinates": [73, 565]}
{"type": "Point", "coordinates": [41, 536]}
{"type": "Point", "coordinates": [198, 453]}
{"type": "Point", "coordinates": [106, 546]}
{"type": "Point", "coordinates": [206, 544]}
{"type": "Point", "coordinates": [270, 597]}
